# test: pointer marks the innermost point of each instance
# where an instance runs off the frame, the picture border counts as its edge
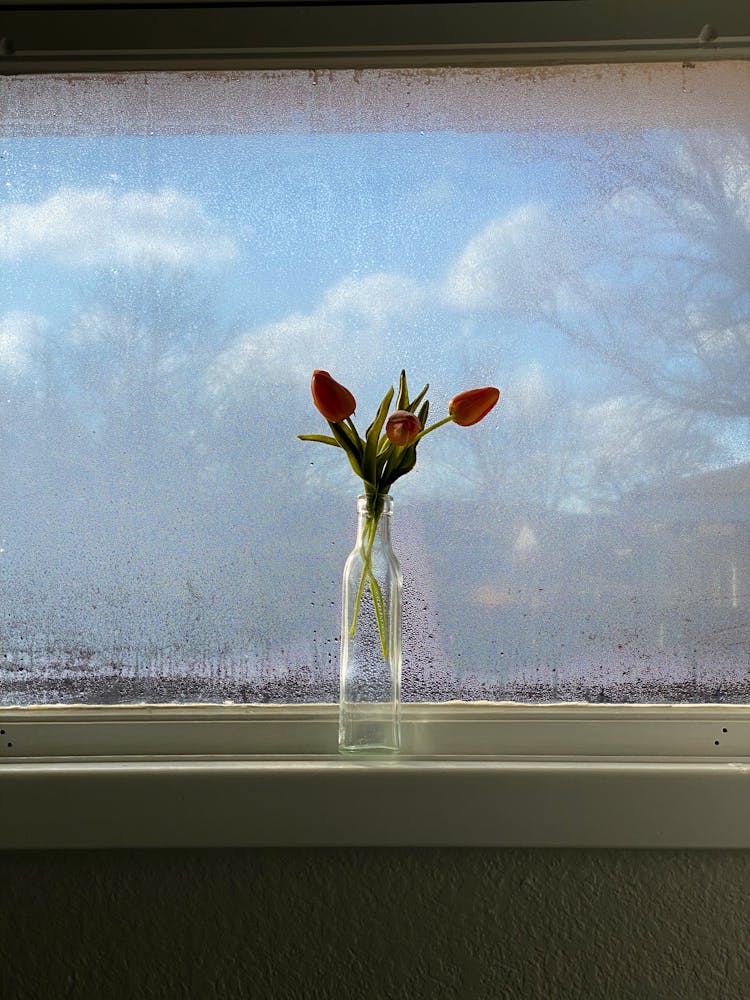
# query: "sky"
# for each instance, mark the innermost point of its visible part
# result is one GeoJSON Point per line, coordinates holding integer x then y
{"type": "Point", "coordinates": [356, 251]}
{"type": "Point", "coordinates": [289, 217]}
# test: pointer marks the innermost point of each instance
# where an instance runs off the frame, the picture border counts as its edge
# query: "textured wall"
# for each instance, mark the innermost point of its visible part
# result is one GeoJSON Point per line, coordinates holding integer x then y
{"type": "Point", "coordinates": [381, 924]}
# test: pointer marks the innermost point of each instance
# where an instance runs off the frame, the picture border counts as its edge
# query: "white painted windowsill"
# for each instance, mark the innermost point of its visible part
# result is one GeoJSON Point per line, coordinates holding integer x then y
{"type": "Point", "coordinates": [470, 775]}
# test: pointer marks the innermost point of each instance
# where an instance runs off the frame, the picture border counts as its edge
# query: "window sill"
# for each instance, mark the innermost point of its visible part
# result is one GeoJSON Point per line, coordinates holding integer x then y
{"type": "Point", "coordinates": [474, 775]}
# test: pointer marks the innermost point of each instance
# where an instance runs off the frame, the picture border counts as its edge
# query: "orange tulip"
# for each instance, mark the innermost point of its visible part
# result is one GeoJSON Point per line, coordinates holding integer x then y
{"type": "Point", "coordinates": [403, 427]}
{"type": "Point", "coordinates": [470, 407]}
{"type": "Point", "coordinates": [331, 398]}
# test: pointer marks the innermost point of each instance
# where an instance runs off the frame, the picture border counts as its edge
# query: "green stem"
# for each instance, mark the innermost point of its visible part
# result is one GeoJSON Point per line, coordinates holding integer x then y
{"type": "Point", "coordinates": [378, 603]}
{"type": "Point", "coordinates": [366, 562]}
{"type": "Point", "coordinates": [434, 427]}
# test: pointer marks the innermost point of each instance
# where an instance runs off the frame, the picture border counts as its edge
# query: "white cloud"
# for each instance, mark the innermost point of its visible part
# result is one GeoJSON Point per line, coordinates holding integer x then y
{"type": "Point", "coordinates": [374, 300]}
{"type": "Point", "coordinates": [528, 395]}
{"type": "Point", "coordinates": [20, 333]}
{"type": "Point", "coordinates": [94, 226]}
{"type": "Point", "coordinates": [91, 326]}
{"type": "Point", "coordinates": [101, 324]}
{"type": "Point", "coordinates": [507, 265]}
{"type": "Point", "coordinates": [352, 318]}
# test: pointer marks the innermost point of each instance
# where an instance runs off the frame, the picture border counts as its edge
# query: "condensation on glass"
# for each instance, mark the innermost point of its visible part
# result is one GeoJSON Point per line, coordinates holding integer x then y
{"type": "Point", "coordinates": [179, 251]}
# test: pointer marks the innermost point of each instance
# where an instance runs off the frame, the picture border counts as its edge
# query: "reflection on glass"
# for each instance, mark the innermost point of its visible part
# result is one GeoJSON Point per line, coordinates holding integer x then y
{"type": "Point", "coordinates": [169, 278]}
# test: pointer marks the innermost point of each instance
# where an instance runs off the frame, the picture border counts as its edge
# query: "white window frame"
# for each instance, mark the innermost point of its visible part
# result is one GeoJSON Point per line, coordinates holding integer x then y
{"type": "Point", "coordinates": [470, 774]}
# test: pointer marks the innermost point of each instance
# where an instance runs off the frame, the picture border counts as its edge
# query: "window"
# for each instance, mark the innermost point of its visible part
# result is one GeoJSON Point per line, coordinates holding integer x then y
{"type": "Point", "coordinates": [534, 284]}
{"type": "Point", "coordinates": [181, 250]}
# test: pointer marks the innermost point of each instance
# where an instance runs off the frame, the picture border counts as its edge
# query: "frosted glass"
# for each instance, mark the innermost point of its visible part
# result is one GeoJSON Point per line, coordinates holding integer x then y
{"type": "Point", "coordinates": [179, 251]}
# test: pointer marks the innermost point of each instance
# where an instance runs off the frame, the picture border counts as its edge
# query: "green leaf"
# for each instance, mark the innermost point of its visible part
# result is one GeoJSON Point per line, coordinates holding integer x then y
{"type": "Point", "coordinates": [405, 464]}
{"type": "Point", "coordinates": [372, 439]}
{"type": "Point", "coordinates": [412, 407]}
{"type": "Point", "coordinates": [379, 608]}
{"type": "Point", "coordinates": [402, 403]}
{"type": "Point", "coordinates": [382, 409]}
{"type": "Point", "coordinates": [385, 455]}
{"type": "Point", "coordinates": [410, 460]}
{"type": "Point", "coordinates": [422, 415]}
{"type": "Point", "coordinates": [356, 440]}
{"type": "Point", "coordinates": [324, 439]}
{"type": "Point", "coordinates": [384, 446]}
{"type": "Point", "coordinates": [344, 441]}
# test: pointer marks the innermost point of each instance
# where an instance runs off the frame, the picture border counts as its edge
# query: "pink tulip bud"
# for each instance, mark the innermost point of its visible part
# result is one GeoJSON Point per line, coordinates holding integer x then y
{"type": "Point", "coordinates": [402, 427]}
{"type": "Point", "coordinates": [331, 398]}
{"type": "Point", "coordinates": [470, 407]}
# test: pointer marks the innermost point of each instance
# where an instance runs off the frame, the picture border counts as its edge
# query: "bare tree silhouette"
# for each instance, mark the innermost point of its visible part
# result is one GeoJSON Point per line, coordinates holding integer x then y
{"type": "Point", "coordinates": [662, 293]}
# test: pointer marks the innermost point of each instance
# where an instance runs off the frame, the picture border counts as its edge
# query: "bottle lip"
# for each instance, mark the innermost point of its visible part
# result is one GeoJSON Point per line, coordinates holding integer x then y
{"type": "Point", "coordinates": [363, 503]}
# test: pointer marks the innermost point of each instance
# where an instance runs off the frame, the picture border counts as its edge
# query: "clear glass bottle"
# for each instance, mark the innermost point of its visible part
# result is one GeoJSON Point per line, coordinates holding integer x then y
{"type": "Point", "coordinates": [370, 673]}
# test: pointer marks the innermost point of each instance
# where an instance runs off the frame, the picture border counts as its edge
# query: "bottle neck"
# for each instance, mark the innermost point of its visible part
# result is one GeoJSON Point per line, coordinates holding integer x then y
{"type": "Point", "coordinates": [368, 510]}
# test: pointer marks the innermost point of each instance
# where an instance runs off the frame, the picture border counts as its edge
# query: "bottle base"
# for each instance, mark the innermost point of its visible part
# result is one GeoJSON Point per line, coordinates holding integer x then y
{"type": "Point", "coordinates": [362, 749]}
{"type": "Point", "coordinates": [370, 728]}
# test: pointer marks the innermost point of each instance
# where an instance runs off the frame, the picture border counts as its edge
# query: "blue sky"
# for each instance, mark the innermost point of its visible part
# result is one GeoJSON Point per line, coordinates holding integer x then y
{"type": "Point", "coordinates": [304, 211]}
{"type": "Point", "coordinates": [459, 255]}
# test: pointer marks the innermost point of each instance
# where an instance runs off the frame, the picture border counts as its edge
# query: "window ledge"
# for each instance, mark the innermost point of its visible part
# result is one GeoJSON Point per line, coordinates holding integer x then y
{"type": "Point", "coordinates": [329, 802]}
{"type": "Point", "coordinates": [474, 775]}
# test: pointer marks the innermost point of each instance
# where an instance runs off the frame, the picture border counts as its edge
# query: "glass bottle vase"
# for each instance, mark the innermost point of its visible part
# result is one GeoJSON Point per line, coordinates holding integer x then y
{"type": "Point", "coordinates": [370, 674]}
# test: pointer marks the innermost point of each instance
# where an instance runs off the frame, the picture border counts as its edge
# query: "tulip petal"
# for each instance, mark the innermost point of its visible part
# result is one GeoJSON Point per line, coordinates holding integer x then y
{"type": "Point", "coordinates": [471, 406]}
{"type": "Point", "coordinates": [331, 399]}
{"type": "Point", "coordinates": [402, 427]}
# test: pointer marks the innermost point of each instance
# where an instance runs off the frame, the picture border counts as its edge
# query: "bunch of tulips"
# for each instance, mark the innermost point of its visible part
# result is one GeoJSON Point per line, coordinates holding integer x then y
{"type": "Point", "coordinates": [389, 447]}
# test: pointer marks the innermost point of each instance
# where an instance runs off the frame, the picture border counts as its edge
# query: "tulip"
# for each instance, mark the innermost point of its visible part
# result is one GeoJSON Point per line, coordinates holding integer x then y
{"type": "Point", "coordinates": [403, 427]}
{"type": "Point", "coordinates": [470, 407]}
{"type": "Point", "coordinates": [331, 398]}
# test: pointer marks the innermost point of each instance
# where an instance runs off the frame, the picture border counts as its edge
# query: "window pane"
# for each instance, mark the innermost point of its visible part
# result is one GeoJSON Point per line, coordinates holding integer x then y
{"type": "Point", "coordinates": [180, 251]}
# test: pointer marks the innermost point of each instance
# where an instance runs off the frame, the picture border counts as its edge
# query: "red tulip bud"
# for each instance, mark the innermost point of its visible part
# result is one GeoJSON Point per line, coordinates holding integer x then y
{"type": "Point", "coordinates": [470, 407]}
{"type": "Point", "coordinates": [403, 427]}
{"type": "Point", "coordinates": [331, 398]}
